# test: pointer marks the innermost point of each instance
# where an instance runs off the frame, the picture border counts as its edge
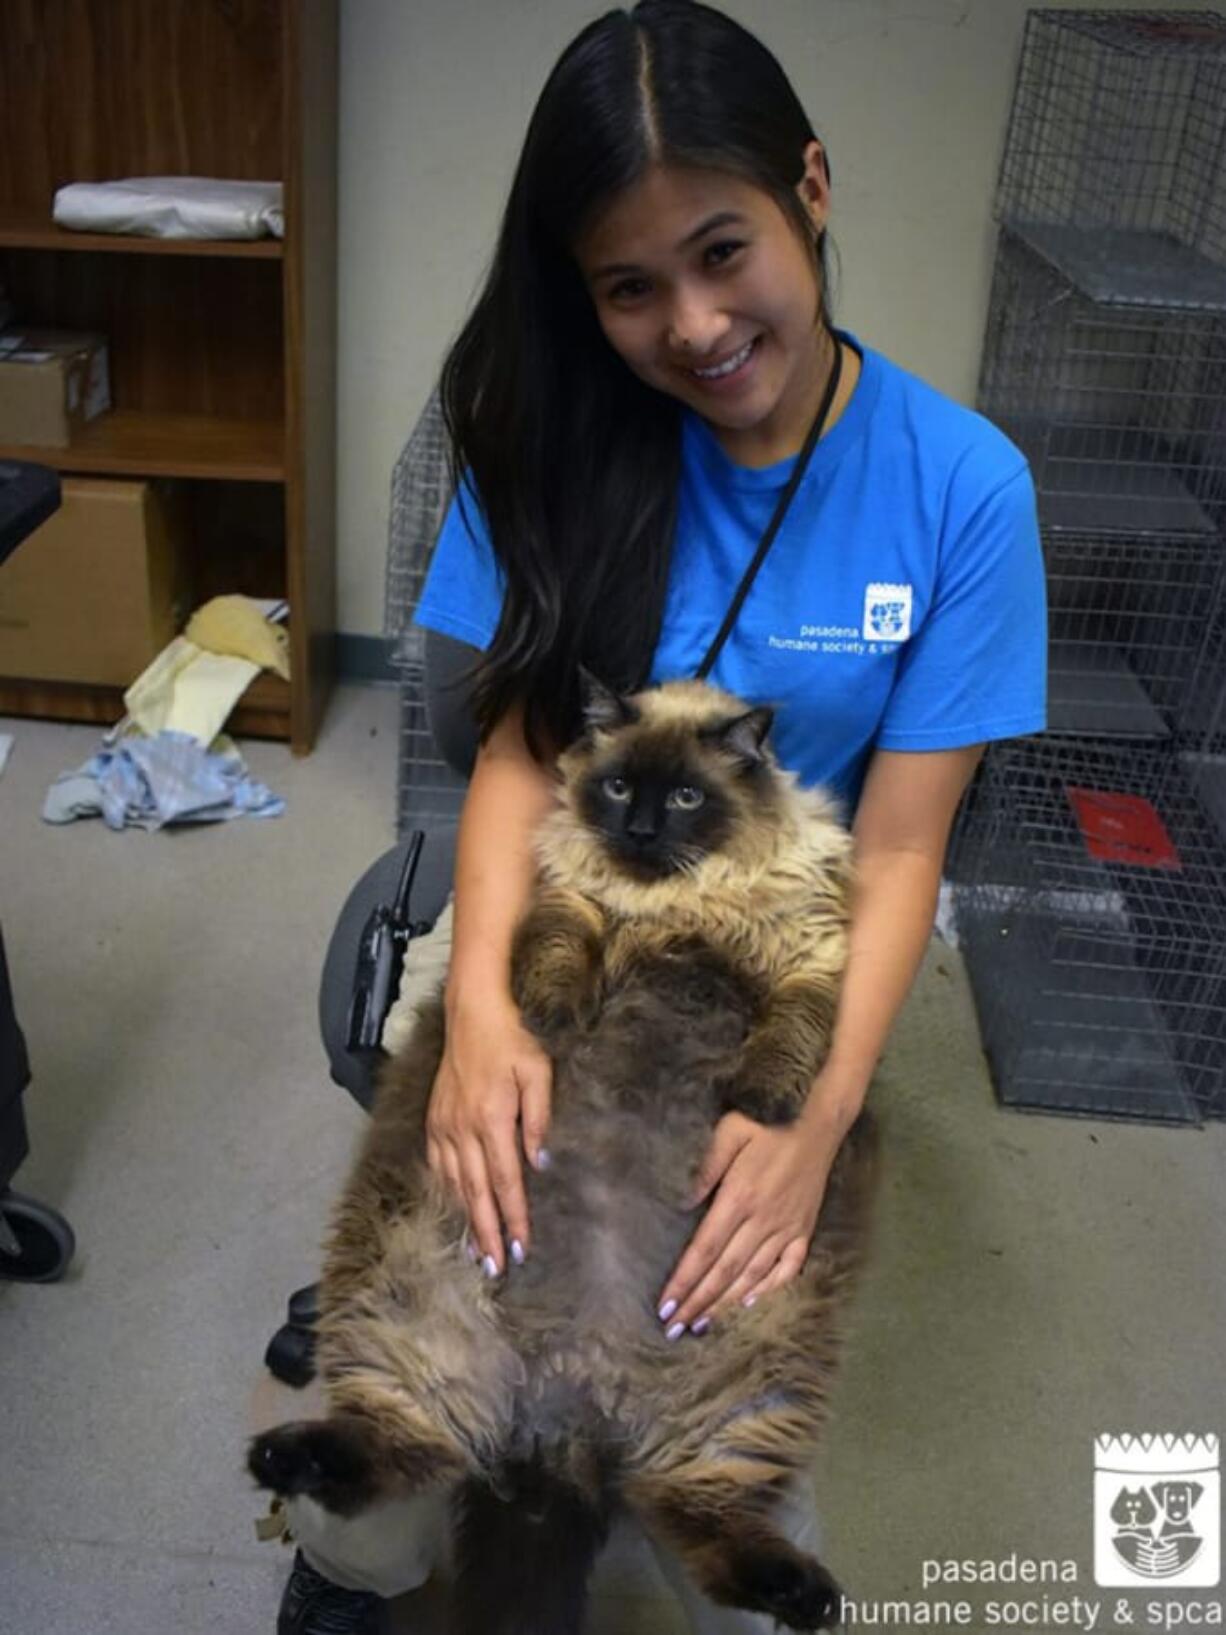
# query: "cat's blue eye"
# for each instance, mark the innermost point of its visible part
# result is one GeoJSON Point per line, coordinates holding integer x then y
{"type": "Point", "coordinates": [686, 799]}
{"type": "Point", "coordinates": [616, 788]}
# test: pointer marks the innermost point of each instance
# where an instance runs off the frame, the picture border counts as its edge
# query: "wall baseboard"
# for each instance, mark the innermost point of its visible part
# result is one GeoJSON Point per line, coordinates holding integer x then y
{"type": "Point", "coordinates": [365, 659]}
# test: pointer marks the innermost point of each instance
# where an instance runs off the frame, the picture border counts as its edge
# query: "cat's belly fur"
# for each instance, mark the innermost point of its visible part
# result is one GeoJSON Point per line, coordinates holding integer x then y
{"type": "Point", "coordinates": [581, 1313]}
{"type": "Point", "coordinates": [635, 1103]}
{"type": "Point", "coordinates": [569, 1344]}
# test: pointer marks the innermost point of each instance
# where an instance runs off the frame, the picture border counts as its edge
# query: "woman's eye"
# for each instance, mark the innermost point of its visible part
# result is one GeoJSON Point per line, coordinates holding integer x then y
{"type": "Point", "coordinates": [686, 798]}
{"type": "Point", "coordinates": [616, 788]}
{"type": "Point", "coordinates": [724, 251]}
{"type": "Point", "coordinates": [628, 289]}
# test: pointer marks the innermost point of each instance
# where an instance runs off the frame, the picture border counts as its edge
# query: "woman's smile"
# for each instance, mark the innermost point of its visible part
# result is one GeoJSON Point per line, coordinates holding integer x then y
{"type": "Point", "coordinates": [731, 373]}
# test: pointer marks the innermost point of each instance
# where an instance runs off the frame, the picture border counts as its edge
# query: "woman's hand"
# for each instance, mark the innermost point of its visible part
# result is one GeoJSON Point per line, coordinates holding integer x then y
{"type": "Point", "coordinates": [493, 1077]}
{"type": "Point", "coordinates": [756, 1234]}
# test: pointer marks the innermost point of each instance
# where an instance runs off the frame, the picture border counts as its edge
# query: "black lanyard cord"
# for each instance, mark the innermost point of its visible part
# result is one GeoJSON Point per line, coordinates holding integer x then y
{"type": "Point", "coordinates": [772, 528]}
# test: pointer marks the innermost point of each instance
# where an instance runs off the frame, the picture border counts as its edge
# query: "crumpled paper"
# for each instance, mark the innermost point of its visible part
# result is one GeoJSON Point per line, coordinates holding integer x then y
{"type": "Point", "coordinates": [188, 690]}
{"type": "Point", "coordinates": [196, 681]}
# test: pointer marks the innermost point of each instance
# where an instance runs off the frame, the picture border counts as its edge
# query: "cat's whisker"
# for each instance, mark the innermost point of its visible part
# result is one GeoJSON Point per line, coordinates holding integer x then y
{"type": "Point", "coordinates": [690, 861]}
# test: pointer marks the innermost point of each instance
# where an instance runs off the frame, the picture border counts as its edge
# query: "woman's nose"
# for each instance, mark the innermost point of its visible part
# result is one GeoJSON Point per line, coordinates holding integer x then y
{"type": "Point", "coordinates": [695, 328]}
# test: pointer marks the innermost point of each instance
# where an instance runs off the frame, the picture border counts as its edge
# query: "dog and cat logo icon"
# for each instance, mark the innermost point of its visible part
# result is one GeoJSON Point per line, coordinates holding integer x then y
{"type": "Point", "coordinates": [887, 612]}
{"type": "Point", "coordinates": [1157, 1510]}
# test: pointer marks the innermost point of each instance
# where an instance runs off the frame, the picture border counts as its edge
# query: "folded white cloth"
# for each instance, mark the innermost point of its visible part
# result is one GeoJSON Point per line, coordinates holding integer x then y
{"type": "Point", "coordinates": [173, 207]}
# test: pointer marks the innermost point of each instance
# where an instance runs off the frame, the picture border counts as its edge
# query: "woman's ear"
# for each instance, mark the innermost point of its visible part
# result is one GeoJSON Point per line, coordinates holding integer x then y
{"type": "Point", "coordinates": [813, 188]}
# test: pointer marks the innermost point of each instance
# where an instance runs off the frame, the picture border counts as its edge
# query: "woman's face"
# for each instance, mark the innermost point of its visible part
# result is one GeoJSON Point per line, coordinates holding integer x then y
{"type": "Point", "coordinates": [705, 289]}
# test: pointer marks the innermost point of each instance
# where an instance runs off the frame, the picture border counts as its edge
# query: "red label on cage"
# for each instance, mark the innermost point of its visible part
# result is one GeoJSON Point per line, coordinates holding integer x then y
{"type": "Point", "coordinates": [1123, 829]}
{"type": "Point", "coordinates": [1176, 28]}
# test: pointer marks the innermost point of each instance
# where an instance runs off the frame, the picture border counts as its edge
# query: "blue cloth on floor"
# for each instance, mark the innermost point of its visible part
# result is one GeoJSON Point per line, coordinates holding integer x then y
{"type": "Point", "coordinates": [148, 783]}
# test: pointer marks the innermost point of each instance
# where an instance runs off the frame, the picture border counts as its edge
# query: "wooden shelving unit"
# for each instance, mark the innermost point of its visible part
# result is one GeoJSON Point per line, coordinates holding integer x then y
{"type": "Point", "coordinates": [133, 443]}
{"type": "Point", "coordinates": [222, 353]}
{"type": "Point", "coordinates": [32, 233]}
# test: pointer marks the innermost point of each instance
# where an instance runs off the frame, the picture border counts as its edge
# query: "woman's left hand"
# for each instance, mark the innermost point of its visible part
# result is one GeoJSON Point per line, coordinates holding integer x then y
{"type": "Point", "coordinates": [756, 1234]}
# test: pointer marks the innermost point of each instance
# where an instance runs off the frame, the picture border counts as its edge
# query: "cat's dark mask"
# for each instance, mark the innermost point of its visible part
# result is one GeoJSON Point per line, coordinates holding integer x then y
{"type": "Point", "coordinates": [662, 795]}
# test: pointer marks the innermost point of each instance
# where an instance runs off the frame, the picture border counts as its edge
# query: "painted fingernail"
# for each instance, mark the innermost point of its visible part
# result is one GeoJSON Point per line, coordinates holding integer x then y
{"type": "Point", "coordinates": [675, 1333]}
{"type": "Point", "coordinates": [543, 1158]}
{"type": "Point", "coordinates": [517, 1251]}
{"type": "Point", "coordinates": [470, 1249]}
{"type": "Point", "coordinates": [701, 1326]}
{"type": "Point", "coordinates": [666, 1310]}
{"type": "Point", "coordinates": [749, 1300]}
{"type": "Point", "coordinates": [489, 1266]}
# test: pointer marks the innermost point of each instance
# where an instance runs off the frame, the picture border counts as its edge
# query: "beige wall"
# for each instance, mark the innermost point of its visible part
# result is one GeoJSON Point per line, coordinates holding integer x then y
{"type": "Point", "coordinates": [910, 96]}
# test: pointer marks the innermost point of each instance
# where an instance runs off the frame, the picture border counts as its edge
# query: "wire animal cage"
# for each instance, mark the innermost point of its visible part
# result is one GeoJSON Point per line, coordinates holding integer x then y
{"type": "Point", "coordinates": [1129, 622]}
{"type": "Point", "coordinates": [1092, 929]}
{"type": "Point", "coordinates": [1121, 410]}
{"type": "Point", "coordinates": [1113, 166]}
{"type": "Point", "coordinates": [426, 787]}
{"type": "Point", "coordinates": [1090, 865]}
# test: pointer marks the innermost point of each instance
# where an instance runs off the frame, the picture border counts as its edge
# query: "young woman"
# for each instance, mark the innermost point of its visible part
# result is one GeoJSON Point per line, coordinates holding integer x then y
{"type": "Point", "coordinates": [650, 355]}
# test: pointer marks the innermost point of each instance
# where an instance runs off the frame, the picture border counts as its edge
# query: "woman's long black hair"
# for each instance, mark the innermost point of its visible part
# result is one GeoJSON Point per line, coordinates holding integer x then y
{"type": "Point", "coordinates": [576, 462]}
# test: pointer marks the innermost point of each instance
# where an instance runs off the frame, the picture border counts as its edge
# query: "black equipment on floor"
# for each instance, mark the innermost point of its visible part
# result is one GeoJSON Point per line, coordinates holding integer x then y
{"type": "Point", "coordinates": [36, 1243]}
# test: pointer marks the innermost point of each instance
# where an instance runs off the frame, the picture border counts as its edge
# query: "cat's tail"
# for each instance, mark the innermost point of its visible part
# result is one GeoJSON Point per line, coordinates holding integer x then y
{"type": "Point", "coordinates": [523, 1554]}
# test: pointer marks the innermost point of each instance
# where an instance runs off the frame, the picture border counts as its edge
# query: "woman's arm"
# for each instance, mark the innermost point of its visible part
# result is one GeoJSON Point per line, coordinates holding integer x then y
{"type": "Point", "coordinates": [493, 1074]}
{"type": "Point", "coordinates": [901, 832]}
{"type": "Point", "coordinates": [508, 795]}
{"type": "Point", "coordinates": [757, 1231]}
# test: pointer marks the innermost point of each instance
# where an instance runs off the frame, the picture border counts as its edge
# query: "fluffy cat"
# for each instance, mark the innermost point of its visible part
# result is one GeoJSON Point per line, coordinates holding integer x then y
{"type": "Point", "coordinates": [681, 958]}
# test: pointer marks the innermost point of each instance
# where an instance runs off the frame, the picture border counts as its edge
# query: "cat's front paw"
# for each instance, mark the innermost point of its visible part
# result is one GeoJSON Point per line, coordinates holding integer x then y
{"type": "Point", "coordinates": [761, 1097]}
{"type": "Point", "coordinates": [320, 1459]}
{"type": "Point", "coordinates": [561, 1008]}
{"type": "Point", "coordinates": [795, 1589]}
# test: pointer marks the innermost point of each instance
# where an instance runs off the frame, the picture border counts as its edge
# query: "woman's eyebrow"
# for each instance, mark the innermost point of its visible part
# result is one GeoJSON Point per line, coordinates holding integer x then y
{"type": "Point", "coordinates": [722, 218]}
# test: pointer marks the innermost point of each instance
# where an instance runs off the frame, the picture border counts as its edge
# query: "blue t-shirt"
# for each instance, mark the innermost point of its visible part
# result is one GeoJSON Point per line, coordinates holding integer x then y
{"type": "Point", "coordinates": [901, 606]}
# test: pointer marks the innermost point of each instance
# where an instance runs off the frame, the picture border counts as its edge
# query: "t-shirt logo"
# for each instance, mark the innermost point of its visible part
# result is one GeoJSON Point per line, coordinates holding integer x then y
{"type": "Point", "coordinates": [887, 613]}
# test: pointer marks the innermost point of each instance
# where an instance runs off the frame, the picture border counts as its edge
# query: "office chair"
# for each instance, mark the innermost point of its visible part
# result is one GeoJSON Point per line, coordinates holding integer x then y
{"type": "Point", "coordinates": [391, 904]}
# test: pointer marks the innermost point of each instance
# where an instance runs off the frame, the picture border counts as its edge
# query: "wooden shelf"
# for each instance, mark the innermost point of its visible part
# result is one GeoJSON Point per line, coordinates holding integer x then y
{"type": "Point", "coordinates": [127, 443]}
{"type": "Point", "coordinates": [222, 351]}
{"type": "Point", "coordinates": [262, 712]}
{"type": "Point", "coordinates": [30, 233]}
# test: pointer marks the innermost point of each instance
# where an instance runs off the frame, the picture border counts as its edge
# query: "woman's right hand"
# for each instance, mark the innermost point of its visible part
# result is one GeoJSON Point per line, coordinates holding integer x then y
{"type": "Point", "coordinates": [493, 1084]}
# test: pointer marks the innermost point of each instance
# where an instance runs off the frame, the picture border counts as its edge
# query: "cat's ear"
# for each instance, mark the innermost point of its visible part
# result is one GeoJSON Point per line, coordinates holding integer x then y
{"type": "Point", "coordinates": [744, 735]}
{"type": "Point", "coordinates": [603, 709]}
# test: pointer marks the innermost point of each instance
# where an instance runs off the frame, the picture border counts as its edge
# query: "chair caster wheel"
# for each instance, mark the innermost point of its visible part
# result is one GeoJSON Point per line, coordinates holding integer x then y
{"type": "Point", "coordinates": [36, 1242]}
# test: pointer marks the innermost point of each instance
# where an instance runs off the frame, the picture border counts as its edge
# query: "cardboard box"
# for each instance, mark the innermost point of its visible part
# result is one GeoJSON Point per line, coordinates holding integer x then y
{"type": "Point", "coordinates": [96, 592]}
{"type": "Point", "coordinates": [52, 381]}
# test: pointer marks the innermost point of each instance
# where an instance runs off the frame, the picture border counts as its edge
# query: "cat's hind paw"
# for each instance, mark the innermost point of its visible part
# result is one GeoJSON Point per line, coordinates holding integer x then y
{"type": "Point", "coordinates": [794, 1589]}
{"type": "Point", "coordinates": [319, 1459]}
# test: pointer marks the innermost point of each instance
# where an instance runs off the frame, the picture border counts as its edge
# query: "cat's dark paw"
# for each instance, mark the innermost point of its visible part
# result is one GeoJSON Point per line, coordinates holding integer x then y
{"type": "Point", "coordinates": [562, 1010]}
{"type": "Point", "coordinates": [794, 1589]}
{"type": "Point", "coordinates": [315, 1458]}
{"type": "Point", "coordinates": [762, 1100]}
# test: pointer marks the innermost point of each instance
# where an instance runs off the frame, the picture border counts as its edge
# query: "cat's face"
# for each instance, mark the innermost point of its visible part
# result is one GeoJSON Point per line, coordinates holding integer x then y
{"type": "Point", "coordinates": [665, 779]}
{"type": "Point", "coordinates": [1132, 1507]}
